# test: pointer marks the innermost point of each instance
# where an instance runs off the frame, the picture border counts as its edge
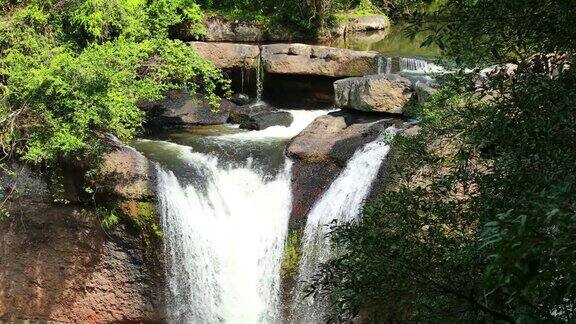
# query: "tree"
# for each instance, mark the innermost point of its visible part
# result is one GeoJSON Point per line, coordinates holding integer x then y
{"type": "Point", "coordinates": [479, 220]}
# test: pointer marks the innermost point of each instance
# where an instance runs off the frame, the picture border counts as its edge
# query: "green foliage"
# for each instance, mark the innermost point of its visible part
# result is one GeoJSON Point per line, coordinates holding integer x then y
{"type": "Point", "coordinates": [500, 30]}
{"type": "Point", "coordinates": [303, 15]}
{"type": "Point", "coordinates": [479, 221]}
{"type": "Point", "coordinates": [66, 75]}
{"type": "Point", "coordinates": [108, 218]}
{"type": "Point", "coordinates": [482, 220]}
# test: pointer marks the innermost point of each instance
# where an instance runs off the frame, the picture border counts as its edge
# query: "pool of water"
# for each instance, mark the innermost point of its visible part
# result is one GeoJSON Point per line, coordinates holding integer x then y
{"type": "Point", "coordinates": [392, 42]}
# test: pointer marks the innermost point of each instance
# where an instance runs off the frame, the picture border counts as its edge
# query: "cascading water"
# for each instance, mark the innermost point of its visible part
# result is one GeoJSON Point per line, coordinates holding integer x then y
{"type": "Point", "coordinates": [259, 80]}
{"type": "Point", "coordinates": [224, 241]}
{"type": "Point", "coordinates": [224, 212]}
{"type": "Point", "coordinates": [417, 65]}
{"type": "Point", "coordinates": [341, 203]}
{"type": "Point", "coordinates": [384, 65]}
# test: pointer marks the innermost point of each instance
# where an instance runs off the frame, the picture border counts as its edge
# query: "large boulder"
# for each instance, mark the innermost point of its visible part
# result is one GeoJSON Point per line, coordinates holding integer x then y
{"type": "Point", "coordinates": [229, 55]}
{"type": "Point", "coordinates": [376, 93]}
{"type": "Point", "coordinates": [260, 116]}
{"type": "Point", "coordinates": [267, 119]}
{"type": "Point", "coordinates": [301, 59]}
{"type": "Point", "coordinates": [322, 150]}
{"type": "Point", "coordinates": [123, 173]}
{"type": "Point", "coordinates": [180, 108]}
{"type": "Point", "coordinates": [223, 30]}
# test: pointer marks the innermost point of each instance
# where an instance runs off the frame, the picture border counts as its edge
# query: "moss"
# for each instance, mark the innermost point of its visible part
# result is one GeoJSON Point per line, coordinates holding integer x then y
{"type": "Point", "coordinates": [292, 253]}
{"type": "Point", "coordinates": [144, 216]}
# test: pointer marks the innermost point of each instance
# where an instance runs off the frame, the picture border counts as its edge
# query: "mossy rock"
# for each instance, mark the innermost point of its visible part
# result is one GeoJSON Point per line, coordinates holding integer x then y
{"type": "Point", "coordinates": [143, 214]}
{"type": "Point", "coordinates": [292, 253]}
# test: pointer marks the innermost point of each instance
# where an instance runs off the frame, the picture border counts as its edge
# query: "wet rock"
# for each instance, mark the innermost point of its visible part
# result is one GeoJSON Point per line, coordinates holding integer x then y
{"type": "Point", "coordinates": [229, 55]}
{"type": "Point", "coordinates": [243, 113]}
{"type": "Point", "coordinates": [259, 116]}
{"type": "Point", "coordinates": [58, 264]}
{"type": "Point", "coordinates": [322, 150]}
{"type": "Point", "coordinates": [376, 93]}
{"type": "Point", "coordinates": [267, 119]}
{"type": "Point", "coordinates": [240, 99]}
{"type": "Point", "coordinates": [301, 59]}
{"type": "Point", "coordinates": [182, 109]}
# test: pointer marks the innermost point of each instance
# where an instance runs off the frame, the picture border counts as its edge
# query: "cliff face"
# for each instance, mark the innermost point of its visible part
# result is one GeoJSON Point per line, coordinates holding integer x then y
{"type": "Point", "coordinates": [58, 264]}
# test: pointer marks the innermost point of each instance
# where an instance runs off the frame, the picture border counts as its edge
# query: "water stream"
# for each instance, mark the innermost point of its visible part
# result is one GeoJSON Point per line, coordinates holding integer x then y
{"type": "Point", "coordinates": [224, 236]}
{"type": "Point", "coordinates": [341, 203]}
{"type": "Point", "coordinates": [224, 200]}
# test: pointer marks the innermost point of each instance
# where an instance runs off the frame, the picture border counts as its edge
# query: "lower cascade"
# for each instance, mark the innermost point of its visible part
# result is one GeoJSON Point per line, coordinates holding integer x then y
{"type": "Point", "coordinates": [341, 203]}
{"type": "Point", "coordinates": [224, 239]}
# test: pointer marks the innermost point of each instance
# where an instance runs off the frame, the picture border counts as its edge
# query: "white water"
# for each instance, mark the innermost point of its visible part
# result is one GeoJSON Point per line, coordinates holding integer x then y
{"type": "Point", "coordinates": [224, 231]}
{"type": "Point", "coordinates": [384, 65]}
{"type": "Point", "coordinates": [224, 241]}
{"type": "Point", "coordinates": [416, 65]}
{"type": "Point", "coordinates": [302, 118]}
{"type": "Point", "coordinates": [341, 203]}
{"type": "Point", "coordinates": [259, 80]}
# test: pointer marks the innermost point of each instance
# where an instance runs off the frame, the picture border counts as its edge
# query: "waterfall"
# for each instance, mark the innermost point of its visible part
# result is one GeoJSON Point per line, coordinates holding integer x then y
{"type": "Point", "coordinates": [342, 203]}
{"type": "Point", "coordinates": [384, 65]}
{"type": "Point", "coordinates": [417, 65]}
{"type": "Point", "coordinates": [259, 79]}
{"type": "Point", "coordinates": [224, 233]}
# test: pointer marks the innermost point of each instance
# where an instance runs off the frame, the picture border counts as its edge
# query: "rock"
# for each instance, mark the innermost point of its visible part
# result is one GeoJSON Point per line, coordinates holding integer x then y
{"type": "Point", "coordinates": [314, 91]}
{"type": "Point", "coordinates": [181, 109]}
{"type": "Point", "coordinates": [228, 55]}
{"type": "Point", "coordinates": [424, 91]}
{"type": "Point", "coordinates": [221, 30]}
{"type": "Point", "coordinates": [335, 137]}
{"type": "Point", "coordinates": [123, 174]}
{"type": "Point", "coordinates": [368, 23]}
{"type": "Point", "coordinates": [267, 119]}
{"type": "Point", "coordinates": [19, 181]}
{"type": "Point", "coordinates": [58, 265]}
{"type": "Point", "coordinates": [238, 116]}
{"type": "Point", "coordinates": [322, 150]}
{"type": "Point", "coordinates": [304, 59]}
{"type": "Point", "coordinates": [260, 116]}
{"type": "Point", "coordinates": [240, 99]}
{"type": "Point", "coordinates": [376, 93]}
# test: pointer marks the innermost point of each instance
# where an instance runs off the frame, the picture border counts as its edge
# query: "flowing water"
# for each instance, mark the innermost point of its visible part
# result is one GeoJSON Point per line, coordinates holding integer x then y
{"type": "Point", "coordinates": [341, 203]}
{"type": "Point", "coordinates": [224, 241]}
{"type": "Point", "coordinates": [384, 65]}
{"type": "Point", "coordinates": [224, 200]}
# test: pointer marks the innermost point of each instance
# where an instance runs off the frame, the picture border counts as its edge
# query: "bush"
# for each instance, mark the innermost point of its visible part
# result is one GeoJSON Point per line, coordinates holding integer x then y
{"type": "Point", "coordinates": [68, 74]}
